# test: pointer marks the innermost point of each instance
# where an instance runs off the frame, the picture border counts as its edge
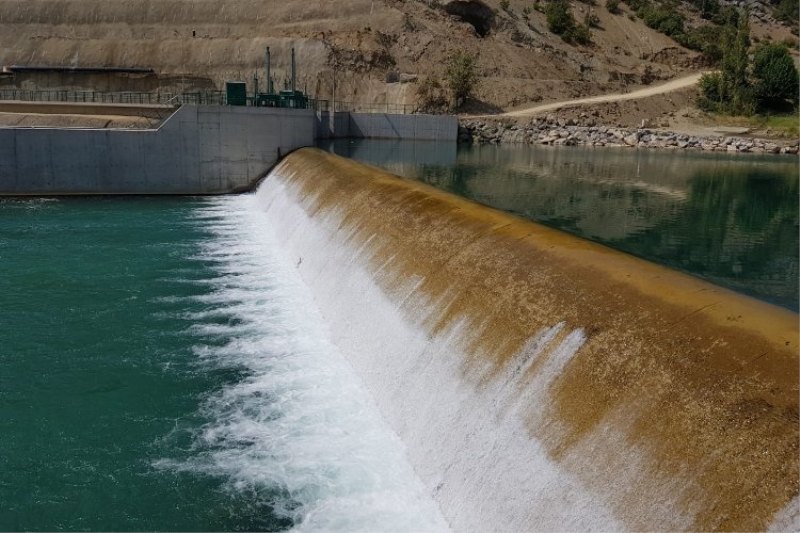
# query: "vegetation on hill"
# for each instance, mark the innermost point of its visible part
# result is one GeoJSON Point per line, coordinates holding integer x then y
{"type": "Point", "coordinates": [745, 84]}
{"type": "Point", "coordinates": [459, 77]}
{"type": "Point", "coordinates": [561, 22]}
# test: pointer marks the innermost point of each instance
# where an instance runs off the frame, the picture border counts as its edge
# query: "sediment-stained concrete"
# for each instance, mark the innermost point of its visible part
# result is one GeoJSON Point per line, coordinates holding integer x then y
{"type": "Point", "coordinates": [660, 401]}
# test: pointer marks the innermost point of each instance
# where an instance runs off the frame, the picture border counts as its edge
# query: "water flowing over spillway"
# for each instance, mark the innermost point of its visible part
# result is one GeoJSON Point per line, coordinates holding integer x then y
{"type": "Point", "coordinates": [538, 381]}
{"type": "Point", "coordinates": [299, 423]}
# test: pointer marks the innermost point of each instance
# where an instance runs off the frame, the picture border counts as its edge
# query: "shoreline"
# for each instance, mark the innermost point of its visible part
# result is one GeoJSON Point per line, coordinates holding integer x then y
{"type": "Point", "coordinates": [565, 132]}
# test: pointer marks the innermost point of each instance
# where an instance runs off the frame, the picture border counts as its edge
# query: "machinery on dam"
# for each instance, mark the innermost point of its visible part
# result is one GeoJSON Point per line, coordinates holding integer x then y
{"type": "Point", "coordinates": [287, 98]}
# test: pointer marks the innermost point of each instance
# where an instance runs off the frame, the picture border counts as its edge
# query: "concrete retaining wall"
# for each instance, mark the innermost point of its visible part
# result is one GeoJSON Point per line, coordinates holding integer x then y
{"type": "Point", "coordinates": [198, 150]}
{"type": "Point", "coordinates": [419, 127]}
{"type": "Point", "coordinates": [387, 126]}
{"type": "Point", "coordinates": [326, 129]}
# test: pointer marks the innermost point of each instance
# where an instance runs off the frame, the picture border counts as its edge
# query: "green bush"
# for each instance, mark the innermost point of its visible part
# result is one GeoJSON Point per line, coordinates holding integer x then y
{"type": "Point", "coordinates": [612, 6]}
{"type": "Point", "coordinates": [559, 18]}
{"type": "Point", "coordinates": [726, 16]}
{"type": "Point", "coordinates": [711, 91]}
{"type": "Point", "coordinates": [663, 19]}
{"type": "Point", "coordinates": [706, 39]}
{"type": "Point", "coordinates": [774, 75]}
{"type": "Point", "coordinates": [788, 11]}
{"type": "Point", "coordinates": [561, 22]}
{"type": "Point", "coordinates": [580, 34]}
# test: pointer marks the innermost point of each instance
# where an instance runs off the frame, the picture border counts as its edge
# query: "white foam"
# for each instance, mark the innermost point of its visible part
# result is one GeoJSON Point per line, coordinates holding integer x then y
{"type": "Point", "coordinates": [300, 426]}
{"type": "Point", "coordinates": [477, 456]}
{"type": "Point", "coordinates": [788, 518]}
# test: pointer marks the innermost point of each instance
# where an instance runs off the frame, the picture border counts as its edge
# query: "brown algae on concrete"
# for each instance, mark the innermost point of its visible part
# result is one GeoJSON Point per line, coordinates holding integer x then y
{"type": "Point", "coordinates": [700, 382]}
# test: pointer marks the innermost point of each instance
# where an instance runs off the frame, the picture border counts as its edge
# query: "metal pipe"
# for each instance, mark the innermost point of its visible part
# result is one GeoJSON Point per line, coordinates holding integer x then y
{"type": "Point", "coordinates": [269, 78]}
{"type": "Point", "coordinates": [255, 89]}
{"type": "Point", "coordinates": [293, 72]}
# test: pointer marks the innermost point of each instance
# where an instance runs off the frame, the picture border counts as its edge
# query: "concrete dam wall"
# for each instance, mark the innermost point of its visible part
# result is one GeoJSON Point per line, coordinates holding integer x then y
{"type": "Point", "coordinates": [537, 380]}
{"type": "Point", "coordinates": [197, 150]}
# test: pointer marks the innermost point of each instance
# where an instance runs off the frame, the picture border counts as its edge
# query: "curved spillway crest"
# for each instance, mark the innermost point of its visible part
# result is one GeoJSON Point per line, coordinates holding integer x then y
{"type": "Point", "coordinates": [539, 381]}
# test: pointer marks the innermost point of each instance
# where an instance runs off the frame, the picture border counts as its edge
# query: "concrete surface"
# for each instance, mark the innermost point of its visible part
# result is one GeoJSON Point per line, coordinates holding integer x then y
{"type": "Point", "coordinates": [198, 150]}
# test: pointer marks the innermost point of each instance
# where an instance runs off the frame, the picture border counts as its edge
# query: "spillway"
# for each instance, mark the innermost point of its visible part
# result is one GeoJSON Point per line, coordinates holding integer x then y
{"type": "Point", "coordinates": [537, 380]}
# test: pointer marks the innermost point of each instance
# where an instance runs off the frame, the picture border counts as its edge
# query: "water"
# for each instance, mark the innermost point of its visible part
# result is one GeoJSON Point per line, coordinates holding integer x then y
{"type": "Point", "coordinates": [731, 219]}
{"type": "Point", "coordinates": [162, 367]}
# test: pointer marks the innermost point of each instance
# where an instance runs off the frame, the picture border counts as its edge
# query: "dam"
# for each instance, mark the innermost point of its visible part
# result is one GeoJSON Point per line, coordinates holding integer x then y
{"type": "Point", "coordinates": [538, 380]}
{"type": "Point", "coordinates": [345, 350]}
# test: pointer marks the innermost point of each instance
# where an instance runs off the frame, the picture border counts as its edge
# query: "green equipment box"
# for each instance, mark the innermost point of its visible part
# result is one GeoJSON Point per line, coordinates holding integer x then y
{"type": "Point", "coordinates": [236, 92]}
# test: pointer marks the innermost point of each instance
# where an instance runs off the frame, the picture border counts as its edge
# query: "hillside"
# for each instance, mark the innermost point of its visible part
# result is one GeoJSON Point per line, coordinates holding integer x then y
{"type": "Point", "coordinates": [377, 50]}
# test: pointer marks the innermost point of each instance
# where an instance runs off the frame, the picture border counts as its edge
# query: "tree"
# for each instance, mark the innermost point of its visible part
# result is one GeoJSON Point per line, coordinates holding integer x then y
{"type": "Point", "coordinates": [461, 76]}
{"type": "Point", "coordinates": [559, 18]}
{"type": "Point", "coordinates": [775, 75]}
{"type": "Point", "coordinates": [561, 22]}
{"type": "Point", "coordinates": [741, 87]}
{"type": "Point", "coordinates": [730, 91]}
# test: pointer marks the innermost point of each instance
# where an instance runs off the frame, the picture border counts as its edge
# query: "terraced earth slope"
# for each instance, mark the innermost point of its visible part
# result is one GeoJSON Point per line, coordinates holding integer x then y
{"type": "Point", "coordinates": [376, 50]}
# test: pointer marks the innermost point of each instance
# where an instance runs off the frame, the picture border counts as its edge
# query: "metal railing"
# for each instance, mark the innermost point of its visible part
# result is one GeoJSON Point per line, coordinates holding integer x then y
{"type": "Point", "coordinates": [369, 107]}
{"type": "Point", "coordinates": [195, 98]}
{"type": "Point", "coordinates": [80, 96]}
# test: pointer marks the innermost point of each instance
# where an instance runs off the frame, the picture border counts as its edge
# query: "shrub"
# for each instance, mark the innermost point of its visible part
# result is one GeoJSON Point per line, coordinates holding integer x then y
{"type": "Point", "coordinates": [711, 91]}
{"type": "Point", "coordinates": [788, 11]}
{"type": "Point", "coordinates": [504, 4]}
{"type": "Point", "coordinates": [431, 96]}
{"type": "Point", "coordinates": [612, 6]}
{"type": "Point", "coordinates": [559, 18]}
{"type": "Point", "coordinates": [460, 76]}
{"type": "Point", "coordinates": [775, 75]}
{"type": "Point", "coordinates": [665, 20]}
{"type": "Point", "coordinates": [580, 34]}
{"type": "Point", "coordinates": [706, 39]}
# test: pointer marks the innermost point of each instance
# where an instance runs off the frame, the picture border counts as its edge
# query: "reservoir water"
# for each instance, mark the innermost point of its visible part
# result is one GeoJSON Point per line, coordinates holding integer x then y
{"type": "Point", "coordinates": [163, 366]}
{"type": "Point", "coordinates": [730, 219]}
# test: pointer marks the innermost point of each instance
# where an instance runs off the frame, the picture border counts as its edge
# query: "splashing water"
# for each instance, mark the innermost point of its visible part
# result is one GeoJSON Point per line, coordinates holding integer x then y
{"type": "Point", "coordinates": [295, 428]}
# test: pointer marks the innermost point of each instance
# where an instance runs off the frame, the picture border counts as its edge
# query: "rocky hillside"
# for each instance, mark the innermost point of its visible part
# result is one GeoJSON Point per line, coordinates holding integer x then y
{"type": "Point", "coordinates": [376, 50]}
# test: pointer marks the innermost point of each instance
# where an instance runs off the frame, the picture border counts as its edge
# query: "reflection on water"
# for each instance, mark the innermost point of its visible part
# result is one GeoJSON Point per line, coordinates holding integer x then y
{"type": "Point", "coordinates": [732, 219]}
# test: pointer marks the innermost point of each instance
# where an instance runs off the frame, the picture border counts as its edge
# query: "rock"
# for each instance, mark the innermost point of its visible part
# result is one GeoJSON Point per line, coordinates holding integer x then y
{"type": "Point", "coordinates": [631, 140]}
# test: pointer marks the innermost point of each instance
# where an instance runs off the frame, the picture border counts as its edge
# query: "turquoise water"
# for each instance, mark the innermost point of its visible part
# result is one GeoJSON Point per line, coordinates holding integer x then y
{"type": "Point", "coordinates": [730, 219]}
{"type": "Point", "coordinates": [162, 368]}
{"type": "Point", "coordinates": [98, 376]}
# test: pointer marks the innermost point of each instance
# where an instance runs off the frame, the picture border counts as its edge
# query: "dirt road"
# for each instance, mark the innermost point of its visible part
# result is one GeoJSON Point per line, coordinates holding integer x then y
{"type": "Point", "coordinates": [673, 85]}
